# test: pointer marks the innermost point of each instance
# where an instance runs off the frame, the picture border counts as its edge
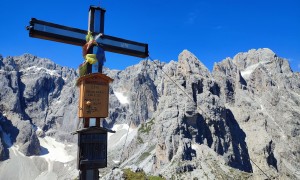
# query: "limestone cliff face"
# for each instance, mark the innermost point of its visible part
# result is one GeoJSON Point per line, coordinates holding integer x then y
{"type": "Point", "coordinates": [193, 113]}
{"type": "Point", "coordinates": [35, 93]}
{"type": "Point", "coordinates": [133, 94]}
{"type": "Point", "coordinates": [267, 108]}
{"type": "Point", "coordinates": [188, 122]}
{"type": "Point", "coordinates": [246, 111]}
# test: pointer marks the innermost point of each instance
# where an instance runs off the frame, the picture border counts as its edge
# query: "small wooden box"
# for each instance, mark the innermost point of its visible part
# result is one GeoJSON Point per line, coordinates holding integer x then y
{"type": "Point", "coordinates": [92, 148]}
{"type": "Point", "coordinates": [94, 93]}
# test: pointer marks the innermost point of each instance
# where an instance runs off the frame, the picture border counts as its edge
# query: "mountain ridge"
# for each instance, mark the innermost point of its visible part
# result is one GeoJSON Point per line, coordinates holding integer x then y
{"type": "Point", "coordinates": [182, 114]}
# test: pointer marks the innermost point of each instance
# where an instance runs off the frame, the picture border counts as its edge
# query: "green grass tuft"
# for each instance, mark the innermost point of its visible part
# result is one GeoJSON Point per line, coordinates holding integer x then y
{"type": "Point", "coordinates": [155, 178]}
{"type": "Point", "coordinates": [140, 140]}
{"type": "Point", "coordinates": [130, 175]}
{"type": "Point", "coordinates": [146, 127]}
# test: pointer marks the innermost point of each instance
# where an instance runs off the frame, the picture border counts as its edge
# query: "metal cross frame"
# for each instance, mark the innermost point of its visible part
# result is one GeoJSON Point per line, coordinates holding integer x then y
{"type": "Point", "coordinates": [69, 35]}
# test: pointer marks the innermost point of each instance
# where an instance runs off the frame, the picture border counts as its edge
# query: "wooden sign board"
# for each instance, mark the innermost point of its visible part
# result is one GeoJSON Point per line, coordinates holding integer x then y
{"type": "Point", "coordinates": [94, 95]}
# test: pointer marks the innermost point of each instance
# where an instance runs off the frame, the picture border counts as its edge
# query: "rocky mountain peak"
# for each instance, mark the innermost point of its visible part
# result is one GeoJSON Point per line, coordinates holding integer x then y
{"type": "Point", "coordinates": [248, 62]}
{"type": "Point", "coordinates": [189, 64]}
{"type": "Point", "coordinates": [253, 56]}
{"type": "Point", "coordinates": [226, 67]}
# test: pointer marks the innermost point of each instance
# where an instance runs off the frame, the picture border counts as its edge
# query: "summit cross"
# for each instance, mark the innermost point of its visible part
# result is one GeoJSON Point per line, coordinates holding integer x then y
{"type": "Point", "coordinates": [69, 35]}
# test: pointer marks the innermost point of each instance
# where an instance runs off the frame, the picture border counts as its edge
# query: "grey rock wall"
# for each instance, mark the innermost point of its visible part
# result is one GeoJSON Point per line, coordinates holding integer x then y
{"type": "Point", "coordinates": [190, 122]}
{"type": "Point", "coordinates": [30, 98]}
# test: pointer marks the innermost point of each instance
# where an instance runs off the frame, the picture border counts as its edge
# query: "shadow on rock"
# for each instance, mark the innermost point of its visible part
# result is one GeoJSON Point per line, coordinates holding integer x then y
{"type": "Point", "coordinates": [240, 158]}
{"type": "Point", "coordinates": [8, 135]}
{"type": "Point", "coordinates": [43, 151]}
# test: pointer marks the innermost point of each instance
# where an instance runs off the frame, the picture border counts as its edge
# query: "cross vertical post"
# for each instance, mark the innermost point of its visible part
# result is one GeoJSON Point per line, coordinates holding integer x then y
{"type": "Point", "coordinates": [95, 25]}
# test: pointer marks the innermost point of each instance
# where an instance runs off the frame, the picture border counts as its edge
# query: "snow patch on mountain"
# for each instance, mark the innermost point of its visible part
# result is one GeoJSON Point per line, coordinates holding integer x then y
{"type": "Point", "coordinates": [248, 71]}
{"type": "Point", "coordinates": [52, 164]}
{"type": "Point", "coordinates": [118, 139]}
{"type": "Point", "coordinates": [122, 98]}
{"type": "Point", "coordinates": [54, 150]}
{"type": "Point", "coordinates": [41, 69]}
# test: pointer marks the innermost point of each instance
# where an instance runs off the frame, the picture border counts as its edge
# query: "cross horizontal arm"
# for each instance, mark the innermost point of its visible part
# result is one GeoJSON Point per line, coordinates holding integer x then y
{"type": "Point", "coordinates": [55, 32]}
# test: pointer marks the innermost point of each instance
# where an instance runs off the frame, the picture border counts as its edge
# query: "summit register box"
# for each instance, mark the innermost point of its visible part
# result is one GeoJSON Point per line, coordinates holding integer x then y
{"type": "Point", "coordinates": [92, 148]}
{"type": "Point", "coordinates": [94, 95]}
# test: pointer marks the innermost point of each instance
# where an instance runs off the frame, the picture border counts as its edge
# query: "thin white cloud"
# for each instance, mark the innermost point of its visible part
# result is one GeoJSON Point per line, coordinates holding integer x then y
{"type": "Point", "coordinates": [218, 27]}
{"type": "Point", "coordinates": [191, 17]}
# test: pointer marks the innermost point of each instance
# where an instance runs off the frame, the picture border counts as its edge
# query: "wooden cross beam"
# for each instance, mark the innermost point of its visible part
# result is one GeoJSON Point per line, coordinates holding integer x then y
{"type": "Point", "coordinates": [59, 33]}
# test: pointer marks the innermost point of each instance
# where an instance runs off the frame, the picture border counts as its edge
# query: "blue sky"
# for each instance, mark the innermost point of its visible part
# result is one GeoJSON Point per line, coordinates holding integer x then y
{"type": "Point", "coordinates": [212, 30]}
